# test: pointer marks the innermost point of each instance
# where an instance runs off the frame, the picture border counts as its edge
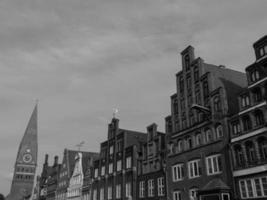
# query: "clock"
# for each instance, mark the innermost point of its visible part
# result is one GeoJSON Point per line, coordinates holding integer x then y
{"type": "Point", "coordinates": [27, 158]}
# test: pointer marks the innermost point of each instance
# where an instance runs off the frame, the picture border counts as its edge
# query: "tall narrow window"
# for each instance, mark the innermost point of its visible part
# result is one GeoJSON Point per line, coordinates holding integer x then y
{"type": "Point", "coordinates": [217, 104]}
{"type": "Point", "coordinates": [102, 170]}
{"type": "Point", "coordinates": [151, 187]}
{"type": "Point", "coordinates": [205, 89]}
{"type": "Point", "coordinates": [177, 195]}
{"type": "Point", "coordinates": [101, 197]}
{"type": "Point", "coordinates": [177, 172]}
{"type": "Point", "coordinates": [194, 169]}
{"type": "Point", "coordinates": [142, 189]}
{"type": "Point", "coordinates": [109, 192]}
{"type": "Point", "coordinates": [187, 62]}
{"type": "Point", "coordinates": [161, 186]}
{"type": "Point", "coordinates": [219, 131]}
{"type": "Point", "coordinates": [118, 165]}
{"type": "Point", "coordinates": [128, 190]}
{"type": "Point", "coordinates": [236, 127]}
{"type": "Point", "coordinates": [262, 141]}
{"type": "Point", "coordinates": [246, 123]}
{"type": "Point", "coordinates": [193, 194]}
{"type": "Point", "coordinates": [259, 118]}
{"type": "Point", "coordinates": [257, 95]}
{"type": "Point", "coordinates": [118, 191]}
{"type": "Point", "coordinates": [251, 152]}
{"type": "Point", "coordinates": [196, 73]}
{"type": "Point", "coordinates": [128, 162]}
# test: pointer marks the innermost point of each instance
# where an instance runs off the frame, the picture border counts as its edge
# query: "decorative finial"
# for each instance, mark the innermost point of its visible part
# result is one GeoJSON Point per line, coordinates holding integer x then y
{"type": "Point", "coordinates": [80, 145]}
{"type": "Point", "coordinates": [115, 111]}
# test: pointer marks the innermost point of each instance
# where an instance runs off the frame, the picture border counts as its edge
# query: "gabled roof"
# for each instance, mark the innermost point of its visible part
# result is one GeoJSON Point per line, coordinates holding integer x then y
{"type": "Point", "coordinates": [215, 184]}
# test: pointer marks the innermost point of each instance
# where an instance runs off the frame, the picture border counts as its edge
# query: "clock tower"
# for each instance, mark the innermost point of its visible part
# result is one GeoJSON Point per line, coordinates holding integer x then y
{"type": "Point", "coordinates": [26, 162]}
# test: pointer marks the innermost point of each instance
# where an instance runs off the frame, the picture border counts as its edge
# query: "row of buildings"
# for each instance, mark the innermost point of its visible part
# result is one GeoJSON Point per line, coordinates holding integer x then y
{"type": "Point", "coordinates": [214, 148]}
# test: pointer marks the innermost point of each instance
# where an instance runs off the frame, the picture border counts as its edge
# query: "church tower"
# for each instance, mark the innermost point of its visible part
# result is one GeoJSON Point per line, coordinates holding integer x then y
{"type": "Point", "coordinates": [26, 162]}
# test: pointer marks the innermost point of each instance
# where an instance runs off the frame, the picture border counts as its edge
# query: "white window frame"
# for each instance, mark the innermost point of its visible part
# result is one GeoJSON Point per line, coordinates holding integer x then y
{"type": "Point", "coordinates": [151, 187]}
{"type": "Point", "coordinates": [101, 195]}
{"type": "Point", "coordinates": [110, 168]}
{"type": "Point", "coordinates": [109, 192]}
{"type": "Point", "coordinates": [214, 162]}
{"type": "Point", "coordinates": [160, 186]}
{"type": "Point", "coordinates": [103, 170]}
{"type": "Point", "coordinates": [254, 190]}
{"type": "Point", "coordinates": [142, 189]}
{"type": "Point", "coordinates": [195, 172]}
{"type": "Point", "coordinates": [128, 162]}
{"type": "Point", "coordinates": [128, 189]}
{"type": "Point", "coordinates": [118, 191]}
{"type": "Point", "coordinates": [177, 195]}
{"type": "Point", "coordinates": [118, 168]}
{"type": "Point", "coordinates": [177, 172]}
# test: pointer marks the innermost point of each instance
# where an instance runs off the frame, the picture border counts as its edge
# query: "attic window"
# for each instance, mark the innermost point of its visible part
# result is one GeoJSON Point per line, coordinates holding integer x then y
{"type": "Point", "coordinates": [263, 50]}
{"type": "Point", "coordinates": [254, 76]}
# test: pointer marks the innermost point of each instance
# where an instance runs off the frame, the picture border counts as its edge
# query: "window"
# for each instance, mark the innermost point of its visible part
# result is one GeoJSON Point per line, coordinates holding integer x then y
{"type": "Point", "coordinates": [118, 165]}
{"type": "Point", "coordinates": [95, 194]}
{"type": "Point", "coordinates": [245, 101]}
{"type": "Point", "coordinates": [102, 170]}
{"type": "Point", "coordinates": [256, 187]}
{"type": "Point", "coordinates": [181, 85]}
{"type": "Point", "coordinates": [205, 89]}
{"type": "Point", "coordinates": [194, 169]}
{"type": "Point", "coordinates": [214, 164]}
{"type": "Point", "coordinates": [196, 73]}
{"type": "Point", "coordinates": [119, 146]}
{"type": "Point", "coordinates": [128, 162]}
{"type": "Point", "coordinates": [111, 150]}
{"type": "Point", "coordinates": [110, 168]}
{"type": "Point", "coordinates": [151, 187]}
{"type": "Point", "coordinates": [257, 95]}
{"type": "Point", "coordinates": [236, 127]}
{"type": "Point", "coordinates": [193, 194]}
{"type": "Point", "coordinates": [217, 104]}
{"type": "Point", "coordinates": [219, 131]}
{"type": "Point", "coordinates": [251, 152]}
{"type": "Point", "coordinates": [177, 195]}
{"type": "Point", "coordinates": [128, 190]}
{"type": "Point", "coordinates": [177, 172]}
{"type": "Point", "coordinates": [161, 186]}
{"type": "Point", "coordinates": [142, 189]}
{"type": "Point", "coordinates": [101, 194]}
{"type": "Point", "coordinates": [246, 123]}
{"type": "Point", "coordinates": [192, 118]}
{"type": "Point", "coordinates": [118, 191]}
{"type": "Point", "coordinates": [179, 145]}
{"type": "Point", "coordinates": [188, 83]}
{"type": "Point", "coordinates": [259, 118]}
{"type": "Point", "coordinates": [175, 106]}
{"type": "Point", "coordinates": [188, 143]}
{"type": "Point", "coordinates": [208, 135]}
{"type": "Point", "coordinates": [110, 192]}
{"type": "Point", "coordinates": [239, 155]}
{"type": "Point", "coordinates": [262, 141]}
{"type": "Point", "coordinates": [198, 139]}
{"type": "Point", "coordinates": [225, 196]}
{"type": "Point", "coordinates": [187, 62]}
{"type": "Point", "coordinates": [198, 97]}
{"type": "Point", "coordinates": [254, 76]}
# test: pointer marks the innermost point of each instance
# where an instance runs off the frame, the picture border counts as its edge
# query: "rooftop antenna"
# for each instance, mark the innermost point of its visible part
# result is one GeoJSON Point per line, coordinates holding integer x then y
{"type": "Point", "coordinates": [115, 111]}
{"type": "Point", "coordinates": [80, 145]}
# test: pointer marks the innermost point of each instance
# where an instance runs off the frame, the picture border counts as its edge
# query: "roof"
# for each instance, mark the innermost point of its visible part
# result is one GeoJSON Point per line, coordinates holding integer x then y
{"type": "Point", "coordinates": [215, 184]}
{"type": "Point", "coordinates": [87, 160]}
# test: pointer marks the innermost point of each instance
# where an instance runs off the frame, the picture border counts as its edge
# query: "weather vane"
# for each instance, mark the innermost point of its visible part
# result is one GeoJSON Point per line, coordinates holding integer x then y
{"type": "Point", "coordinates": [115, 111]}
{"type": "Point", "coordinates": [80, 145]}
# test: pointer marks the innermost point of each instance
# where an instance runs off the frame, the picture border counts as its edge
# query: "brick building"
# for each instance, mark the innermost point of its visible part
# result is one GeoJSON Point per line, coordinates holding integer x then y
{"type": "Point", "coordinates": [151, 183]}
{"type": "Point", "coordinates": [52, 180]}
{"type": "Point", "coordinates": [249, 131]}
{"type": "Point", "coordinates": [197, 129]}
{"type": "Point", "coordinates": [115, 173]}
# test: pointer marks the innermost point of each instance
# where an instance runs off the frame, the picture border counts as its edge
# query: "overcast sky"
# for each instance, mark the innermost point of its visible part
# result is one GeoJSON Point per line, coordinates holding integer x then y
{"type": "Point", "coordinates": [82, 58]}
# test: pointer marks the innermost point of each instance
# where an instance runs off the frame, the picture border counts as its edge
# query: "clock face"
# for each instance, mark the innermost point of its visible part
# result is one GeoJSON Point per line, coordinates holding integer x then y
{"type": "Point", "coordinates": [27, 158]}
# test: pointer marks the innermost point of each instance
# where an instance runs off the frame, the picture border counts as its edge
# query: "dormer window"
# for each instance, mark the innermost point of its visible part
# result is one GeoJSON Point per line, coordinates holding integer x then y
{"type": "Point", "coordinates": [254, 76]}
{"type": "Point", "coordinates": [263, 50]}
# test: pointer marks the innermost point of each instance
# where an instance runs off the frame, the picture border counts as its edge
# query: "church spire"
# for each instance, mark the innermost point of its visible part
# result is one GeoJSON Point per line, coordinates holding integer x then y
{"type": "Point", "coordinates": [26, 162]}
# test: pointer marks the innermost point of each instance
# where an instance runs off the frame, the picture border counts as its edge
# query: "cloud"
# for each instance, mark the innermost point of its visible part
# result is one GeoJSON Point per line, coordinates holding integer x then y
{"type": "Point", "coordinates": [82, 58]}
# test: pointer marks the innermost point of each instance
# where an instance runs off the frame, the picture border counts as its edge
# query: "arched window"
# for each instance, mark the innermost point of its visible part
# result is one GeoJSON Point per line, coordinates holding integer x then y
{"type": "Point", "coordinates": [262, 141]}
{"type": "Point", "coordinates": [198, 139]}
{"type": "Point", "coordinates": [246, 123]}
{"type": "Point", "coordinates": [251, 153]}
{"type": "Point", "coordinates": [239, 155]}
{"type": "Point", "coordinates": [219, 131]}
{"type": "Point", "coordinates": [188, 142]}
{"type": "Point", "coordinates": [179, 146]}
{"type": "Point", "coordinates": [193, 193]}
{"type": "Point", "coordinates": [259, 118]}
{"type": "Point", "coordinates": [217, 104]}
{"type": "Point", "coordinates": [208, 135]}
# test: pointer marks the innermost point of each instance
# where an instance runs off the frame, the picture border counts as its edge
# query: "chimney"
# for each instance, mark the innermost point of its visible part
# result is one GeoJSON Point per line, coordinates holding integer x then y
{"type": "Point", "coordinates": [55, 160]}
{"type": "Point", "coordinates": [46, 159]}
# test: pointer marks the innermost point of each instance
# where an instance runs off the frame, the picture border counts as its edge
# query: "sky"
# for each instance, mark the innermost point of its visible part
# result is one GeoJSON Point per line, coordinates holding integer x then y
{"type": "Point", "coordinates": [83, 58]}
